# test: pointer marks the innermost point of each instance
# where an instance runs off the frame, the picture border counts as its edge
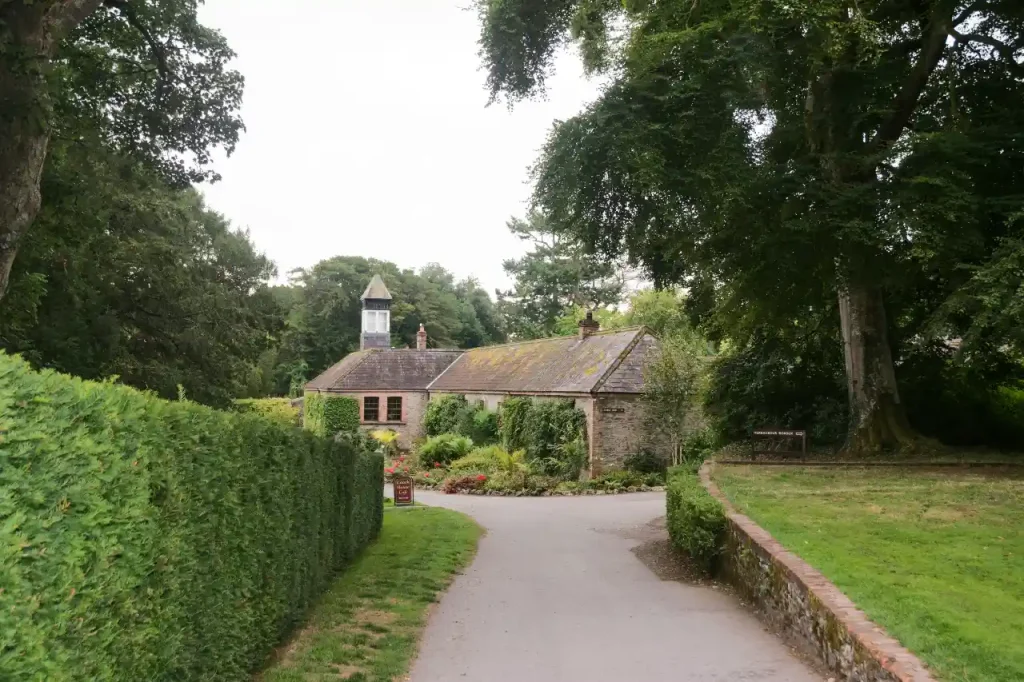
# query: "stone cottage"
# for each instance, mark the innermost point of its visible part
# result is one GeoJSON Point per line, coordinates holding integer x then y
{"type": "Point", "coordinates": [602, 372]}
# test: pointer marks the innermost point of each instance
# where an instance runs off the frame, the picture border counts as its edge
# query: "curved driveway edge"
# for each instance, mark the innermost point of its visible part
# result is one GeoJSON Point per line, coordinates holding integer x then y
{"type": "Point", "coordinates": [556, 595]}
{"type": "Point", "coordinates": [796, 596]}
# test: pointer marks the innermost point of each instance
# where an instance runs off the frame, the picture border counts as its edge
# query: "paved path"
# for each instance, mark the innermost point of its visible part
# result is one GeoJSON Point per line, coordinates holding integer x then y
{"type": "Point", "coordinates": [556, 595]}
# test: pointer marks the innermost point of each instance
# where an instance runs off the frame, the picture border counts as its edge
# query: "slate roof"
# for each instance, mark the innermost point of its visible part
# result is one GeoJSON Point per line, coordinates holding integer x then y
{"type": "Point", "coordinates": [398, 369]}
{"type": "Point", "coordinates": [559, 365]}
{"type": "Point", "coordinates": [376, 290]}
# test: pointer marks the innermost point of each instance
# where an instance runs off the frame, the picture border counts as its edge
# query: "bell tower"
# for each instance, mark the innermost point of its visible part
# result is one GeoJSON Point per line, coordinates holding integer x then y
{"type": "Point", "coordinates": [376, 316]}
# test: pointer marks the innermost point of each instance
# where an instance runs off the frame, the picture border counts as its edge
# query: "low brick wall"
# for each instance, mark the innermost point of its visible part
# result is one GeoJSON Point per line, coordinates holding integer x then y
{"type": "Point", "coordinates": [800, 601]}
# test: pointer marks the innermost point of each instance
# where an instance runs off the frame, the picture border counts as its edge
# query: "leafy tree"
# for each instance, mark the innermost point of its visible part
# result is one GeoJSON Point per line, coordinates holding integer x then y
{"type": "Point", "coordinates": [673, 384]}
{"type": "Point", "coordinates": [127, 276]}
{"type": "Point", "coordinates": [794, 158]}
{"type": "Point", "coordinates": [322, 310]}
{"type": "Point", "coordinates": [141, 75]}
{"type": "Point", "coordinates": [557, 274]}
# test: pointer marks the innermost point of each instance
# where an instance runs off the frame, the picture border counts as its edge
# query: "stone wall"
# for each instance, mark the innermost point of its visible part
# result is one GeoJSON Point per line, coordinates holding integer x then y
{"type": "Point", "coordinates": [619, 429]}
{"type": "Point", "coordinates": [410, 428]}
{"type": "Point", "coordinates": [798, 600]}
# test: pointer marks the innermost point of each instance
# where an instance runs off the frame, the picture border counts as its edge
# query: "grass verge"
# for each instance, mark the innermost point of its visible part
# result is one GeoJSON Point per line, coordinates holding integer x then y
{"type": "Point", "coordinates": [367, 627]}
{"type": "Point", "coordinates": [935, 557]}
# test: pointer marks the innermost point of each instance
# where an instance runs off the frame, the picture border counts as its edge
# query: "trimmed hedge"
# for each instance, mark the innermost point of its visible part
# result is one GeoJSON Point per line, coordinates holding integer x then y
{"type": "Point", "coordinates": [326, 415]}
{"type": "Point", "coordinates": [142, 539]}
{"type": "Point", "coordinates": [696, 520]}
{"type": "Point", "coordinates": [278, 409]}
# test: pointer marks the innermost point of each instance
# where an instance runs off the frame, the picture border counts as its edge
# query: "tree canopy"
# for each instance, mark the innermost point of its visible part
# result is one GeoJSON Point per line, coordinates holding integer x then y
{"type": "Point", "coordinates": [556, 275]}
{"type": "Point", "coordinates": [858, 163]}
{"type": "Point", "coordinates": [323, 313]}
{"type": "Point", "coordinates": [142, 77]}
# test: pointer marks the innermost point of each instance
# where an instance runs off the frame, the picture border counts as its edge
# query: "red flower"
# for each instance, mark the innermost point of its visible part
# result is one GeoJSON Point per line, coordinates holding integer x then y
{"type": "Point", "coordinates": [437, 465]}
{"type": "Point", "coordinates": [481, 477]}
{"type": "Point", "coordinates": [426, 474]}
{"type": "Point", "coordinates": [391, 470]}
{"type": "Point", "coordinates": [402, 458]}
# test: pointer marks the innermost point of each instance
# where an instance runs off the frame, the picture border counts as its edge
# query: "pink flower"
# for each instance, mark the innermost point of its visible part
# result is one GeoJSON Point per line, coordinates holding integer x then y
{"type": "Point", "coordinates": [481, 477]}
{"type": "Point", "coordinates": [426, 475]}
{"type": "Point", "coordinates": [391, 470]}
{"type": "Point", "coordinates": [437, 465]}
{"type": "Point", "coordinates": [402, 458]}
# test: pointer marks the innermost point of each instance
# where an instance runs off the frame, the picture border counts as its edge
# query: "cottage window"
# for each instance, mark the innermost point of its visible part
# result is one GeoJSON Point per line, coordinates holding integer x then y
{"type": "Point", "coordinates": [395, 409]}
{"type": "Point", "coordinates": [371, 409]}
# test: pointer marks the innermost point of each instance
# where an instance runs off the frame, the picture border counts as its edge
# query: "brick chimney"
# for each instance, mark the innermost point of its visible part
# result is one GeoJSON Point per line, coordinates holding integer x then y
{"type": "Point", "coordinates": [589, 326]}
{"type": "Point", "coordinates": [421, 339]}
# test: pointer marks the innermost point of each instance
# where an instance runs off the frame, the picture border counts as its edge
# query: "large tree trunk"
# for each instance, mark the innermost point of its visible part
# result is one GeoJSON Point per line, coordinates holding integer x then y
{"type": "Point", "coordinates": [29, 35]}
{"type": "Point", "coordinates": [878, 420]}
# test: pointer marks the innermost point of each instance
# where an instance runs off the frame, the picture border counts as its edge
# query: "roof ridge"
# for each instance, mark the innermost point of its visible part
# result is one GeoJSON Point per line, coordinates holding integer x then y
{"type": "Point", "coordinates": [603, 332]}
{"type": "Point", "coordinates": [641, 332]}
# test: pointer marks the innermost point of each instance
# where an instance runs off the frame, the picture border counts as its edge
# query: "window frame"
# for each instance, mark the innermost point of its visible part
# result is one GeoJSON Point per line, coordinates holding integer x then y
{"type": "Point", "coordinates": [376, 408]}
{"type": "Point", "coordinates": [388, 411]}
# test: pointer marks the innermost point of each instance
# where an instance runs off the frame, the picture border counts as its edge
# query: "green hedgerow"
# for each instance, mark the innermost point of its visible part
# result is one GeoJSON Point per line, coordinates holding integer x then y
{"type": "Point", "coordinates": [327, 415]}
{"type": "Point", "coordinates": [155, 540]}
{"type": "Point", "coordinates": [696, 520]}
{"type": "Point", "coordinates": [278, 409]}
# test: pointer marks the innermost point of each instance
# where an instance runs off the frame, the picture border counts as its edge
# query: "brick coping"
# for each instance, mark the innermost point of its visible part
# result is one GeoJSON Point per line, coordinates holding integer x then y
{"type": "Point", "coordinates": [874, 641]}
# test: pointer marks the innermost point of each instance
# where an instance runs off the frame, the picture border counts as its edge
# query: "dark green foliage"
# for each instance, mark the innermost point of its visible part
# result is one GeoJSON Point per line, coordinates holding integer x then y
{"type": "Point", "coordinates": [696, 521]}
{"type": "Point", "coordinates": [444, 449]}
{"type": "Point", "coordinates": [455, 414]}
{"type": "Point", "coordinates": [328, 415]}
{"type": "Point", "coordinates": [322, 311]}
{"type": "Point", "coordinates": [164, 541]}
{"type": "Point", "coordinates": [774, 157]}
{"type": "Point", "coordinates": [443, 414]}
{"type": "Point", "coordinates": [123, 275]}
{"type": "Point", "coordinates": [513, 422]}
{"type": "Point", "coordinates": [557, 275]}
{"type": "Point", "coordinates": [278, 409]}
{"type": "Point", "coordinates": [645, 462]}
{"type": "Point", "coordinates": [540, 426]}
{"type": "Point", "coordinates": [762, 385]}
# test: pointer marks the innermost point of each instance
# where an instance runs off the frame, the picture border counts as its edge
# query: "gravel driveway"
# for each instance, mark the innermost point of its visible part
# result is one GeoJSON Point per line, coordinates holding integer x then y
{"type": "Point", "coordinates": [556, 595]}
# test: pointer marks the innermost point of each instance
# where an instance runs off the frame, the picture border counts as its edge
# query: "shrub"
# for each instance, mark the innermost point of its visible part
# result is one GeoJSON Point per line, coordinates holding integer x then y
{"type": "Point", "coordinates": [645, 462]}
{"type": "Point", "coordinates": [696, 520]}
{"type": "Point", "coordinates": [155, 540]}
{"type": "Point", "coordinates": [278, 409]}
{"type": "Point", "coordinates": [480, 425]}
{"type": "Point", "coordinates": [444, 449]}
{"type": "Point", "coordinates": [544, 429]}
{"type": "Point", "coordinates": [326, 415]}
{"type": "Point", "coordinates": [484, 460]}
{"type": "Point", "coordinates": [387, 439]}
{"type": "Point", "coordinates": [443, 414]}
{"type": "Point", "coordinates": [460, 484]}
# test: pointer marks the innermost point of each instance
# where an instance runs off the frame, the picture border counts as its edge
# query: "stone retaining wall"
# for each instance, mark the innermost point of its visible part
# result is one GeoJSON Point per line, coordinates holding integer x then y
{"type": "Point", "coordinates": [800, 601]}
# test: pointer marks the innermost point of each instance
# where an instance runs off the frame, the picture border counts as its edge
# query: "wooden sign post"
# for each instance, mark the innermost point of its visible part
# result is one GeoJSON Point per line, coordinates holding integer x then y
{"type": "Point", "coordinates": [779, 441]}
{"type": "Point", "coordinates": [403, 491]}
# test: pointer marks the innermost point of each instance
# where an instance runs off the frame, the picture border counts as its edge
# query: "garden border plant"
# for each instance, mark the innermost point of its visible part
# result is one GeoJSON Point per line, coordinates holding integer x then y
{"type": "Point", "coordinates": [156, 540]}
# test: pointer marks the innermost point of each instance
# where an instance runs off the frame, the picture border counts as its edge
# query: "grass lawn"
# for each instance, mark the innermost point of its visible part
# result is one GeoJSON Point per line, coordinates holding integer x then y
{"type": "Point", "coordinates": [367, 627]}
{"type": "Point", "coordinates": [935, 557]}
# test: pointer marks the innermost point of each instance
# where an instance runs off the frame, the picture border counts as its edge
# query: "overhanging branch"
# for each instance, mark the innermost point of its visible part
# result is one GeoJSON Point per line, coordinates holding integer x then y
{"type": "Point", "coordinates": [1003, 51]}
{"type": "Point", "coordinates": [932, 47]}
{"type": "Point", "coordinates": [159, 51]}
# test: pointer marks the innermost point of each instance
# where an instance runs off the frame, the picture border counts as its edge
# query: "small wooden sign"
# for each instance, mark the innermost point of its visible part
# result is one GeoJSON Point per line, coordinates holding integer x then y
{"type": "Point", "coordinates": [403, 491]}
{"type": "Point", "coordinates": [779, 441]}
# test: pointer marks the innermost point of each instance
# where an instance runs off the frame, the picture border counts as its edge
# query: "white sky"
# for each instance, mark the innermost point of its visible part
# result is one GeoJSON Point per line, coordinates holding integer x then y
{"type": "Point", "coordinates": [367, 134]}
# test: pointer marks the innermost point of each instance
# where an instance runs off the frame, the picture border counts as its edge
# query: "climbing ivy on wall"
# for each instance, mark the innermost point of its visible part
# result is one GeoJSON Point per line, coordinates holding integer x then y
{"type": "Point", "coordinates": [326, 415]}
{"type": "Point", "coordinates": [541, 427]}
